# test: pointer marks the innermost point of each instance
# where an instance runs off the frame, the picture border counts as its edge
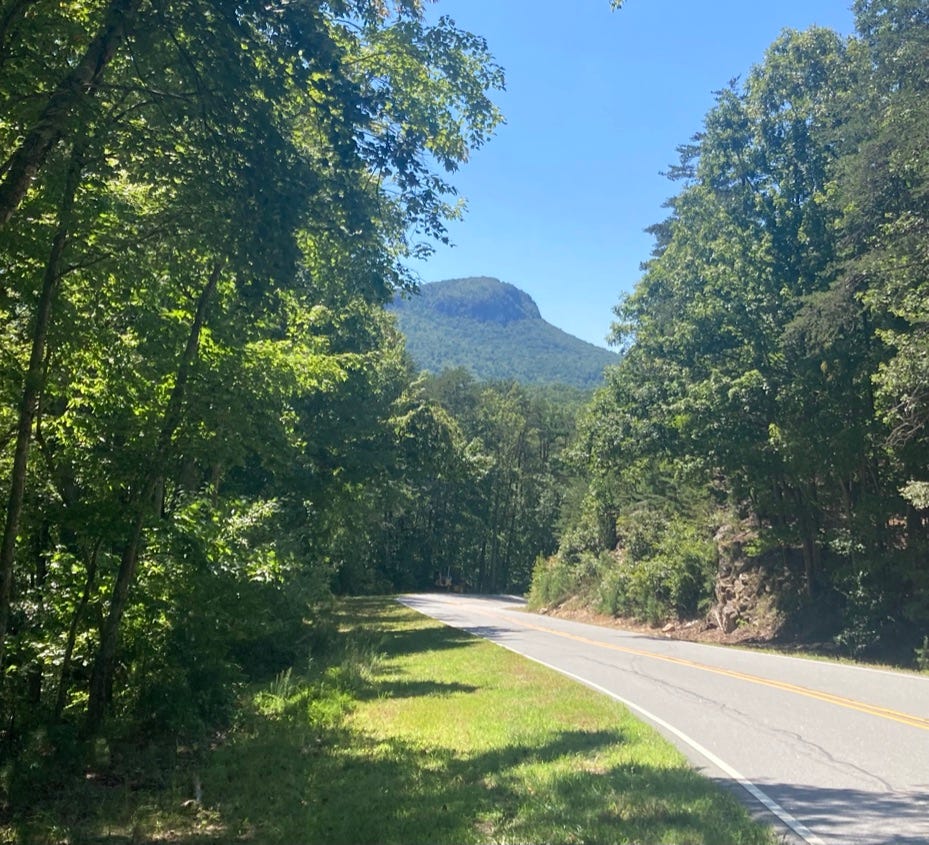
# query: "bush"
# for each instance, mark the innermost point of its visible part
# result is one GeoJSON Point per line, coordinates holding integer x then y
{"type": "Point", "coordinates": [687, 560]}
{"type": "Point", "coordinates": [666, 568]}
{"type": "Point", "coordinates": [866, 615]}
{"type": "Point", "coordinates": [552, 582]}
{"type": "Point", "coordinates": [613, 590]}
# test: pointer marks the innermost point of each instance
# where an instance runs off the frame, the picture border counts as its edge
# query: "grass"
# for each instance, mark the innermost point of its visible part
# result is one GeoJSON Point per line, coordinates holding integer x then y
{"type": "Point", "coordinates": [416, 733]}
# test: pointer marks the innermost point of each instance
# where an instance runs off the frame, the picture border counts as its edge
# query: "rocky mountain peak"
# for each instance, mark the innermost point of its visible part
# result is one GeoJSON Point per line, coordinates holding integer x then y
{"type": "Point", "coordinates": [481, 298]}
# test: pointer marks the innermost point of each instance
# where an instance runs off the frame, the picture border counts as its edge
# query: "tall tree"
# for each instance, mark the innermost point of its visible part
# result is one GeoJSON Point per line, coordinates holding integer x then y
{"type": "Point", "coordinates": [774, 345]}
{"type": "Point", "coordinates": [748, 241]}
{"type": "Point", "coordinates": [253, 172]}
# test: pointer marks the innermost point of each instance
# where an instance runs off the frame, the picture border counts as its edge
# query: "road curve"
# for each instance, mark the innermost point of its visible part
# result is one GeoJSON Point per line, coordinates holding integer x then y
{"type": "Point", "coordinates": [837, 754]}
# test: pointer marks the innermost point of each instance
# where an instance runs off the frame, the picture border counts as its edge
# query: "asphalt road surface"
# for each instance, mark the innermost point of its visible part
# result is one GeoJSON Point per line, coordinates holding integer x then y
{"type": "Point", "coordinates": [833, 754]}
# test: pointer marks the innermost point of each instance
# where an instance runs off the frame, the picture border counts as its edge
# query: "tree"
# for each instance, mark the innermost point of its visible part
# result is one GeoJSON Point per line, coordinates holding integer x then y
{"type": "Point", "coordinates": [218, 200]}
{"type": "Point", "coordinates": [748, 242]}
{"type": "Point", "coordinates": [60, 113]}
{"type": "Point", "coordinates": [773, 349]}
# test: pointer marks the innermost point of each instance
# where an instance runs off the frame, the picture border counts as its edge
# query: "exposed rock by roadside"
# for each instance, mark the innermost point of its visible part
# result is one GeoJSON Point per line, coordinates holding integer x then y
{"type": "Point", "coordinates": [748, 588]}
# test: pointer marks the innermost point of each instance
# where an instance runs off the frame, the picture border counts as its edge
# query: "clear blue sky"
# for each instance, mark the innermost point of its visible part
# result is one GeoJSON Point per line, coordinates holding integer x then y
{"type": "Point", "coordinates": [596, 104]}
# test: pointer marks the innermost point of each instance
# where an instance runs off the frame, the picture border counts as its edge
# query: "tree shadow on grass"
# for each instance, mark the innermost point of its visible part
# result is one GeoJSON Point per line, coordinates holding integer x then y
{"type": "Point", "coordinates": [423, 640]}
{"type": "Point", "coordinates": [357, 788]}
{"type": "Point", "coordinates": [282, 783]}
{"type": "Point", "coordinates": [372, 613]}
{"type": "Point", "coordinates": [397, 630]}
{"type": "Point", "coordinates": [350, 787]}
{"type": "Point", "coordinates": [411, 689]}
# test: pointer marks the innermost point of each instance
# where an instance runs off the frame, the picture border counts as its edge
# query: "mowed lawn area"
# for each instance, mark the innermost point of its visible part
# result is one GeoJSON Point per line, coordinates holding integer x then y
{"type": "Point", "coordinates": [417, 733]}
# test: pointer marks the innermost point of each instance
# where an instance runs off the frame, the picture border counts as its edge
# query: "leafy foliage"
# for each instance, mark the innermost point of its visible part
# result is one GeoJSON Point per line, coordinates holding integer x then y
{"type": "Point", "coordinates": [774, 347]}
{"type": "Point", "coordinates": [202, 210]}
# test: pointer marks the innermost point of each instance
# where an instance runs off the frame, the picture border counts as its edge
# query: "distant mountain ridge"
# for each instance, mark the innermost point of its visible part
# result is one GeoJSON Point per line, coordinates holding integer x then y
{"type": "Point", "coordinates": [494, 330]}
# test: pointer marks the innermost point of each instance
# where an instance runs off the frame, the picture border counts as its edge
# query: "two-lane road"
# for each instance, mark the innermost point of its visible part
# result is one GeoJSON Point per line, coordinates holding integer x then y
{"type": "Point", "coordinates": [838, 754]}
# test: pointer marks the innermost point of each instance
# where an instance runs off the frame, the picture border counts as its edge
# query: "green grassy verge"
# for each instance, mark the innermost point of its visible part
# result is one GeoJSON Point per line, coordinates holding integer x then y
{"type": "Point", "coordinates": [417, 733]}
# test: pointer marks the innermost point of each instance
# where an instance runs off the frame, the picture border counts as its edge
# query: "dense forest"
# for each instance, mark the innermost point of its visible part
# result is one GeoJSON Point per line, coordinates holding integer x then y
{"type": "Point", "coordinates": [205, 411]}
{"type": "Point", "coordinates": [209, 422]}
{"type": "Point", "coordinates": [494, 330]}
{"type": "Point", "coordinates": [773, 395]}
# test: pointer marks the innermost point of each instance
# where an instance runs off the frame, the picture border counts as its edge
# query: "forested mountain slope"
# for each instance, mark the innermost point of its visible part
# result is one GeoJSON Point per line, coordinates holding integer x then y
{"type": "Point", "coordinates": [495, 331]}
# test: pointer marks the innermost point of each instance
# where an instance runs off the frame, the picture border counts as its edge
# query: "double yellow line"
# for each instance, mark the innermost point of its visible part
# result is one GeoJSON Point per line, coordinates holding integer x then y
{"type": "Point", "coordinates": [838, 700]}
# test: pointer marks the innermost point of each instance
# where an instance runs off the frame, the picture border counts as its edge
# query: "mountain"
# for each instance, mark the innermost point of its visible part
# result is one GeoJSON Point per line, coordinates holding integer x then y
{"type": "Point", "coordinates": [494, 330]}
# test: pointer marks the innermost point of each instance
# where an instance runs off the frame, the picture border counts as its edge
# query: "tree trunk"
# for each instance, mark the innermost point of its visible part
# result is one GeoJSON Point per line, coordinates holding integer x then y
{"type": "Point", "coordinates": [809, 528]}
{"type": "Point", "coordinates": [35, 675]}
{"type": "Point", "coordinates": [102, 676]}
{"type": "Point", "coordinates": [808, 547]}
{"type": "Point", "coordinates": [78, 85]}
{"type": "Point", "coordinates": [64, 680]}
{"type": "Point", "coordinates": [32, 387]}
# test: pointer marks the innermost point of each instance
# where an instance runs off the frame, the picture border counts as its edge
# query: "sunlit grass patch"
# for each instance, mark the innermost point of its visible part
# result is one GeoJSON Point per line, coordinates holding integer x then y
{"type": "Point", "coordinates": [479, 745]}
{"type": "Point", "coordinates": [411, 732]}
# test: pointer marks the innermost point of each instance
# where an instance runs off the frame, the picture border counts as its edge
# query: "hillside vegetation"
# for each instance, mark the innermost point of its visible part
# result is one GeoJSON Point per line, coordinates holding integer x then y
{"type": "Point", "coordinates": [495, 331]}
{"type": "Point", "coordinates": [770, 415]}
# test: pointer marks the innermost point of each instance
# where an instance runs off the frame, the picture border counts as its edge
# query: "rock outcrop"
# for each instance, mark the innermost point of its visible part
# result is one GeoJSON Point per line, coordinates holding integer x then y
{"type": "Point", "coordinates": [750, 587]}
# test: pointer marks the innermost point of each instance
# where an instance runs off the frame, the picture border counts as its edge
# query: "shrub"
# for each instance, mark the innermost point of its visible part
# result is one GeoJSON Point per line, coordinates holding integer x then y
{"type": "Point", "coordinates": [552, 582]}
{"type": "Point", "coordinates": [666, 568]}
{"type": "Point", "coordinates": [613, 589]}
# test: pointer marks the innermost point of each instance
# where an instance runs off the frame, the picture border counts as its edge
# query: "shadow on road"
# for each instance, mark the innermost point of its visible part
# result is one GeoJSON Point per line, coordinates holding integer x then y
{"type": "Point", "coordinates": [880, 818]}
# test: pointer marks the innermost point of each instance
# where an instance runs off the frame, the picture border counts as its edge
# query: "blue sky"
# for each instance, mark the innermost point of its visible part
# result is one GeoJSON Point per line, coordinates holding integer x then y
{"type": "Point", "coordinates": [596, 104]}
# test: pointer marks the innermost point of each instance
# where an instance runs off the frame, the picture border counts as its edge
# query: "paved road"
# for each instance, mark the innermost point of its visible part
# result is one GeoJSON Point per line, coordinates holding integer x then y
{"type": "Point", "coordinates": [838, 754]}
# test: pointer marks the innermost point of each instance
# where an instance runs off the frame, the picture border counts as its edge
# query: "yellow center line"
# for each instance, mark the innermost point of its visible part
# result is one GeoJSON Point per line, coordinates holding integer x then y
{"type": "Point", "coordinates": [828, 697]}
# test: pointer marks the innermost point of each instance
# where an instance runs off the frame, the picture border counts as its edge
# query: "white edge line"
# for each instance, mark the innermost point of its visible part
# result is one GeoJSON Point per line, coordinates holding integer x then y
{"type": "Point", "coordinates": [794, 824]}
{"type": "Point", "coordinates": [766, 800]}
